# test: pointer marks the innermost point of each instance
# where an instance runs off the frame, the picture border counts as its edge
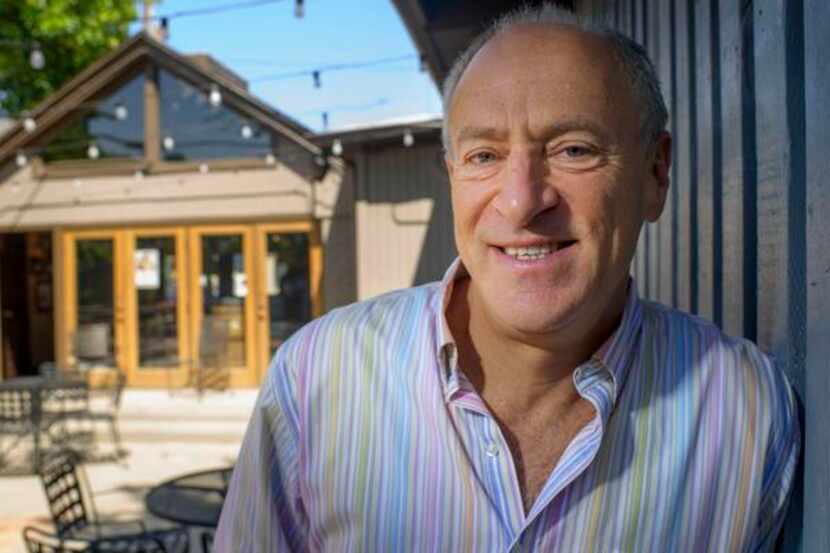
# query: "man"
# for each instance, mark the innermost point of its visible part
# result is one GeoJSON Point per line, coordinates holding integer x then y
{"type": "Point", "coordinates": [530, 401]}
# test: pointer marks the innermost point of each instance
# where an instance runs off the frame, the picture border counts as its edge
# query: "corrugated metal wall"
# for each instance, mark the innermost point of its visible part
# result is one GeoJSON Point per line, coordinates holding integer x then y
{"type": "Point", "coordinates": [403, 217]}
{"type": "Point", "coordinates": [745, 240]}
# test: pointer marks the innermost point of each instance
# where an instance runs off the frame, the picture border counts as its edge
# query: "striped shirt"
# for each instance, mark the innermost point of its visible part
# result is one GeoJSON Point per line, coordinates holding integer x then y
{"type": "Point", "coordinates": [367, 437]}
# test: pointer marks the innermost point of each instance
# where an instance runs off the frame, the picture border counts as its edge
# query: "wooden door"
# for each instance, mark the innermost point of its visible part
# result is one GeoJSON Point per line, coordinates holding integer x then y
{"type": "Point", "coordinates": [222, 330]}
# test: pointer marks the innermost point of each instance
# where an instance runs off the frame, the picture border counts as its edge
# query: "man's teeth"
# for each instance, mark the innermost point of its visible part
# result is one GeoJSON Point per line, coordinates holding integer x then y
{"type": "Point", "coordinates": [530, 252]}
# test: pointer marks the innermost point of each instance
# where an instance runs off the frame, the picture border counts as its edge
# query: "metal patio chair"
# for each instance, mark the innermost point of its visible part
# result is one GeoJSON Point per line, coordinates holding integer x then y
{"type": "Point", "coordinates": [73, 512]}
{"type": "Point", "coordinates": [15, 420]}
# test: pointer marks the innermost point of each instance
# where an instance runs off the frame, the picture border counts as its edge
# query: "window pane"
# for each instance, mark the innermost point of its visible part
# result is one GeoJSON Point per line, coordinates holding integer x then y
{"type": "Point", "coordinates": [286, 274]}
{"type": "Point", "coordinates": [94, 340]}
{"type": "Point", "coordinates": [224, 288]}
{"type": "Point", "coordinates": [194, 129]}
{"type": "Point", "coordinates": [115, 125]}
{"type": "Point", "coordinates": [156, 290]}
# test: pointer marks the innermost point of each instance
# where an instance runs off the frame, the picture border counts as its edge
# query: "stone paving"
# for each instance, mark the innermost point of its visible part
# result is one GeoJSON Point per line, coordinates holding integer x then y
{"type": "Point", "coordinates": [165, 434]}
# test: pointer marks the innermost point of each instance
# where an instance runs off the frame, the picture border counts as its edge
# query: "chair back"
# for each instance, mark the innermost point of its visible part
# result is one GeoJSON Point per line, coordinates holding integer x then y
{"type": "Point", "coordinates": [65, 493]}
{"type": "Point", "coordinates": [15, 407]}
{"type": "Point", "coordinates": [39, 541]}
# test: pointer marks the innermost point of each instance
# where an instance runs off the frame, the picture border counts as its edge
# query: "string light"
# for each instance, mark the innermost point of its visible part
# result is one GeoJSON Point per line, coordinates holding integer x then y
{"type": "Point", "coordinates": [325, 116]}
{"type": "Point", "coordinates": [139, 175]}
{"type": "Point", "coordinates": [246, 132]}
{"type": "Point", "coordinates": [315, 75]}
{"type": "Point", "coordinates": [29, 125]}
{"type": "Point", "coordinates": [93, 152]}
{"type": "Point", "coordinates": [21, 160]}
{"type": "Point", "coordinates": [204, 169]}
{"type": "Point", "coordinates": [271, 159]}
{"type": "Point", "coordinates": [299, 9]}
{"type": "Point", "coordinates": [36, 58]}
{"type": "Point", "coordinates": [76, 184]}
{"type": "Point", "coordinates": [215, 97]}
{"type": "Point", "coordinates": [121, 112]}
{"type": "Point", "coordinates": [168, 143]}
{"type": "Point", "coordinates": [408, 138]}
{"type": "Point", "coordinates": [337, 147]}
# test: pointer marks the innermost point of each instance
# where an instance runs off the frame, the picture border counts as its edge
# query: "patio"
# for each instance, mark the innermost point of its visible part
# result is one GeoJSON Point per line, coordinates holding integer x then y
{"type": "Point", "coordinates": [164, 434]}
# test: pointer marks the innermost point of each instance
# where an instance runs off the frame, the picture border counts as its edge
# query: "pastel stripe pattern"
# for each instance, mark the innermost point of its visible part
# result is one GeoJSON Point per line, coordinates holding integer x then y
{"type": "Point", "coordinates": [367, 437]}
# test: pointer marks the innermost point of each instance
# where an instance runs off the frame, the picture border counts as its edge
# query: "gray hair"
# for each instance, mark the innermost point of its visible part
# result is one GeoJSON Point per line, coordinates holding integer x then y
{"type": "Point", "coordinates": [632, 57]}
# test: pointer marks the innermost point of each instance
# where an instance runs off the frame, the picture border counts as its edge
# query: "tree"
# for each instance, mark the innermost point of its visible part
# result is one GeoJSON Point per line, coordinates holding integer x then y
{"type": "Point", "coordinates": [70, 33]}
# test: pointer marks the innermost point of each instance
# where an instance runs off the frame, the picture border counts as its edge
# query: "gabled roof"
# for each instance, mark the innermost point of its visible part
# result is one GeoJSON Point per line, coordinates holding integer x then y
{"type": "Point", "coordinates": [126, 59]}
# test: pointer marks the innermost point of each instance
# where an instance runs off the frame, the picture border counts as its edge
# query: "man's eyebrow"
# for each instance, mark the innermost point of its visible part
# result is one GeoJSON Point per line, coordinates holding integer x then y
{"type": "Point", "coordinates": [473, 132]}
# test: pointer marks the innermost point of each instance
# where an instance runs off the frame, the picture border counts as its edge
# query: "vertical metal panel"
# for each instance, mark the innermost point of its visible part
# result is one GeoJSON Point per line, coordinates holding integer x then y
{"type": "Point", "coordinates": [731, 284]}
{"type": "Point", "coordinates": [684, 133]}
{"type": "Point", "coordinates": [663, 58]}
{"type": "Point", "coordinates": [780, 190]}
{"type": "Point", "coordinates": [703, 123]}
{"type": "Point", "coordinates": [817, 382]}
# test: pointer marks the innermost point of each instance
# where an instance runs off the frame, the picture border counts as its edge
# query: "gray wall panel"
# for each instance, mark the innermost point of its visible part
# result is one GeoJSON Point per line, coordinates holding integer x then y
{"type": "Point", "coordinates": [684, 144]}
{"type": "Point", "coordinates": [817, 382]}
{"type": "Point", "coordinates": [704, 237]}
{"type": "Point", "coordinates": [731, 124]}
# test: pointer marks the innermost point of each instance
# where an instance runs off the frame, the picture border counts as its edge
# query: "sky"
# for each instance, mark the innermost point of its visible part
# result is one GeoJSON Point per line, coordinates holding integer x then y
{"type": "Point", "coordinates": [264, 43]}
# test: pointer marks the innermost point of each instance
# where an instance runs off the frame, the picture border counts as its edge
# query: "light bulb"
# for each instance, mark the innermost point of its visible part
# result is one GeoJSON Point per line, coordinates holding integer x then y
{"type": "Point", "coordinates": [76, 184]}
{"type": "Point", "coordinates": [29, 125]}
{"type": "Point", "coordinates": [299, 9]}
{"type": "Point", "coordinates": [204, 169]}
{"type": "Point", "coordinates": [408, 138]}
{"type": "Point", "coordinates": [270, 159]}
{"type": "Point", "coordinates": [215, 97]}
{"type": "Point", "coordinates": [337, 147]}
{"type": "Point", "coordinates": [139, 175]}
{"type": "Point", "coordinates": [93, 152]}
{"type": "Point", "coordinates": [21, 159]}
{"type": "Point", "coordinates": [246, 132]}
{"type": "Point", "coordinates": [121, 112]}
{"type": "Point", "coordinates": [36, 58]}
{"type": "Point", "coordinates": [168, 143]}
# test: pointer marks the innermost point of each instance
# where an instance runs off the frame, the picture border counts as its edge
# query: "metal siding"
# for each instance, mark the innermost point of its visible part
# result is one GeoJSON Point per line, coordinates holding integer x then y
{"type": "Point", "coordinates": [733, 189]}
{"type": "Point", "coordinates": [704, 237]}
{"type": "Point", "coordinates": [683, 154]}
{"type": "Point", "coordinates": [817, 369]}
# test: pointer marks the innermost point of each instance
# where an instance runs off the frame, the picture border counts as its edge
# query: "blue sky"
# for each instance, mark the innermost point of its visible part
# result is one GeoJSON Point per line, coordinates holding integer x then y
{"type": "Point", "coordinates": [266, 41]}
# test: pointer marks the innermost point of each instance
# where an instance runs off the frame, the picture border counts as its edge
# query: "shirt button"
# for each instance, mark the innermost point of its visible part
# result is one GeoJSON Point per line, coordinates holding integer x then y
{"type": "Point", "coordinates": [492, 450]}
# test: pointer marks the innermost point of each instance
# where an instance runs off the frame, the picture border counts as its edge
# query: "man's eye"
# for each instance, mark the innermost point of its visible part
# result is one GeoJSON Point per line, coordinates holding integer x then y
{"type": "Point", "coordinates": [577, 151]}
{"type": "Point", "coordinates": [479, 158]}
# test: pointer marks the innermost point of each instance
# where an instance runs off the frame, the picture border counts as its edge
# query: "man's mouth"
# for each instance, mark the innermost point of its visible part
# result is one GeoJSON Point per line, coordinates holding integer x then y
{"type": "Point", "coordinates": [539, 251]}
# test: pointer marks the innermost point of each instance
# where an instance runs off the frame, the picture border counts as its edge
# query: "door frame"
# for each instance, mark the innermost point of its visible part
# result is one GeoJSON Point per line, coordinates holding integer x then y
{"type": "Point", "coordinates": [158, 376]}
{"type": "Point", "coordinates": [315, 276]}
{"type": "Point", "coordinates": [239, 377]}
{"type": "Point", "coordinates": [68, 305]}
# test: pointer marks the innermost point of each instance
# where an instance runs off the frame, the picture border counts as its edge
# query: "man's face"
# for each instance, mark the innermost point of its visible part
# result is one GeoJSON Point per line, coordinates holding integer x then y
{"type": "Point", "coordinates": [551, 179]}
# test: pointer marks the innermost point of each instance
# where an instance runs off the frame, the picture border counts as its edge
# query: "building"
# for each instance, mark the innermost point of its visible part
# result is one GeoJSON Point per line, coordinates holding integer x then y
{"type": "Point", "coordinates": [157, 218]}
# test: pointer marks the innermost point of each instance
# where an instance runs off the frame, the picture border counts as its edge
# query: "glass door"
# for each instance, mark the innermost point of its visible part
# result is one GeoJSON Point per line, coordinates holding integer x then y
{"type": "Point", "coordinates": [287, 285]}
{"type": "Point", "coordinates": [95, 310]}
{"type": "Point", "coordinates": [156, 290]}
{"type": "Point", "coordinates": [222, 316]}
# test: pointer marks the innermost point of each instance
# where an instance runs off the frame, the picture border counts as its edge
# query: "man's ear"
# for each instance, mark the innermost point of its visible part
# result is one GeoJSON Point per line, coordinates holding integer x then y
{"type": "Point", "coordinates": [657, 185]}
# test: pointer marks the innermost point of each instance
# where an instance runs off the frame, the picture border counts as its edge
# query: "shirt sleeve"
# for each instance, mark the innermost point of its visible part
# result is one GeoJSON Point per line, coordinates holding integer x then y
{"type": "Point", "coordinates": [780, 467]}
{"type": "Point", "coordinates": [263, 510]}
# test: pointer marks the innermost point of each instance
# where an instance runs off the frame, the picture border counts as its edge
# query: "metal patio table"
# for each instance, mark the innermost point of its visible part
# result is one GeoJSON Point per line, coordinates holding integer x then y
{"type": "Point", "coordinates": [24, 401]}
{"type": "Point", "coordinates": [193, 499]}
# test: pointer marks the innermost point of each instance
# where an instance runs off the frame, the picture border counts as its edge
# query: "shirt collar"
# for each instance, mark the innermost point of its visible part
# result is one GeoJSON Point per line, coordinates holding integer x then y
{"type": "Point", "coordinates": [612, 359]}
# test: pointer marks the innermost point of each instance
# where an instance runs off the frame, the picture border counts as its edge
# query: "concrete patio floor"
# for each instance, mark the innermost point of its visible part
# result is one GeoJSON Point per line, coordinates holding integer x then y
{"type": "Point", "coordinates": [165, 435]}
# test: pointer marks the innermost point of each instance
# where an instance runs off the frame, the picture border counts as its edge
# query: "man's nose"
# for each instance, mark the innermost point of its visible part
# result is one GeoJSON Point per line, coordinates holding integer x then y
{"type": "Point", "coordinates": [526, 190]}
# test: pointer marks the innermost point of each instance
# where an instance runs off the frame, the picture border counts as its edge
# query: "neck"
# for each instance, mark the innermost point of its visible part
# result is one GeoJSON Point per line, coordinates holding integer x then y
{"type": "Point", "coordinates": [499, 361]}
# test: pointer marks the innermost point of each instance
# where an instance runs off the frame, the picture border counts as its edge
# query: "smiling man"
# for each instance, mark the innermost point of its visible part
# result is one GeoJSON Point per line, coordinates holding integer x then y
{"type": "Point", "coordinates": [530, 401]}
